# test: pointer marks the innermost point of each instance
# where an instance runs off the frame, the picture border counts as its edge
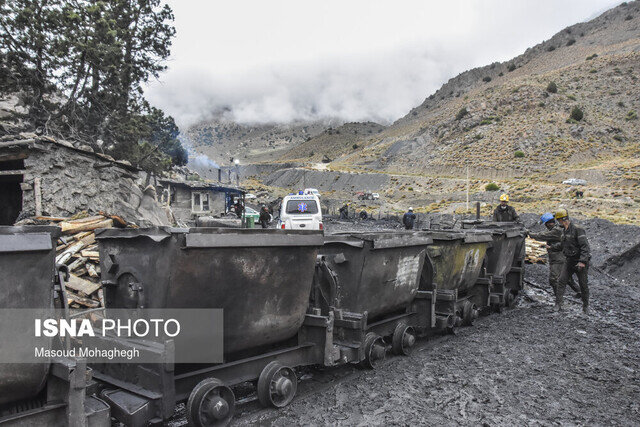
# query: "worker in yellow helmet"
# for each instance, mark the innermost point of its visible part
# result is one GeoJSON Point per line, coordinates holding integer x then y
{"type": "Point", "coordinates": [504, 212]}
{"type": "Point", "coordinates": [575, 248]}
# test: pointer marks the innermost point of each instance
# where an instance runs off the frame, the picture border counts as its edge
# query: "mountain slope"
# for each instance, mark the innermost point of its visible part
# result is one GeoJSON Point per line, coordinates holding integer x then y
{"type": "Point", "coordinates": [222, 139]}
{"type": "Point", "coordinates": [595, 65]}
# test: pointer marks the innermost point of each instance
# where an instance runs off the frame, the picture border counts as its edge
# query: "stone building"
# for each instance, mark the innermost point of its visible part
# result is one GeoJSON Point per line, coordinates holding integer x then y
{"type": "Point", "coordinates": [189, 200]}
{"type": "Point", "coordinates": [43, 176]}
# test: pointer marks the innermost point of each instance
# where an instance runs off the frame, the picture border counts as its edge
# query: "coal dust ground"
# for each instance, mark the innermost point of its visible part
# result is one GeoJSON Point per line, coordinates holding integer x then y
{"type": "Point", "coordinates": [524, 366]}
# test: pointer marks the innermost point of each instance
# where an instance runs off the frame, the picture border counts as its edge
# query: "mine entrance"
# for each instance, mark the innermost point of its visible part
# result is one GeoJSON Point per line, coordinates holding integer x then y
{"type": "Point", "coordinates": [10, 191]}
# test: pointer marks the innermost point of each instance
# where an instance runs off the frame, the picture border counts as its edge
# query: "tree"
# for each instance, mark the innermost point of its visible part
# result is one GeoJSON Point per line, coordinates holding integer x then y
{"type": "Point", "coordinates": [94, 56]}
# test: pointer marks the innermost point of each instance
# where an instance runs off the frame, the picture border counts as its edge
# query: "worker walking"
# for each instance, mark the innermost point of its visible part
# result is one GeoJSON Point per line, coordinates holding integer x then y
{"type": "Point", "coordinates": [553, 239]}
{"type": "Point", "coordinates": [409, 219]}
{"type": "Point", "coordinates": [505, 212]}
{"type": "Point", "coordinates": [575, 248]}
{"type": "Point", "coordinates": [265, 217]}
{"type": "Point", "coordinates": [344, 212]}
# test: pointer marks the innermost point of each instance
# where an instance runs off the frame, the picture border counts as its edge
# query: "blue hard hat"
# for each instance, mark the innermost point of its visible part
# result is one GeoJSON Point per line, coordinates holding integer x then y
{"type": "Point", "coordinates": [546, 217]}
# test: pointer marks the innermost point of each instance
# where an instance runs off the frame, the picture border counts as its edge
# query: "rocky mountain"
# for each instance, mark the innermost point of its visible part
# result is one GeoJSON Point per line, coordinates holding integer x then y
{"type": "Point", "coordinates": [334, 142]}
{"type": "Point", "coordinates": [514, 119]}
{"type": "Point", "coordinates": [222, 139]}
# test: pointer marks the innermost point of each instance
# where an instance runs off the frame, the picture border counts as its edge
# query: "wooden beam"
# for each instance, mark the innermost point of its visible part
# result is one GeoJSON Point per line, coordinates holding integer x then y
{"type": "Point", "coordinates": [16, 142]}
{"type": "Point", "coordinates": [14, 172]}
{"type": "Point", "coordinates": [37, 190]}
{"type": "Point", "coordinates": [21, 155]}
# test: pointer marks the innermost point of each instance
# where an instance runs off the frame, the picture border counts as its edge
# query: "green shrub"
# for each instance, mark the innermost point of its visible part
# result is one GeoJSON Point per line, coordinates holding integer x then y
{"type": "Point", "coordinates": [552, 87]}
{"type": "Point", "coordinates": [492, 186]}
{"type": "Point", "coordinates": [620, 104]}
{"type": "Point", "coordinates": [631, 115]}
{"type": "Point", "coordinates": [551, 48]}
{"type": "Point", "coordinates": [354, 146]}
{"type": "Point", "coordinates": [486, 79]}
{"type": "Point", "coordinates": [571, 42]}
{"type": "Point", "coordinates": [511, 67]}
{"type": "Point", "coordinates": [571, 97]}
{"type": "Point", "coordinates": [593, 71]}
{"type": "Point", "coordinates": [500, 74]}
{"type": "Point", "coordinates": [541, 104]}
{"type": "Point", "coordinates": [519, 154]}
{"type": "Point", "coordinates": [590, 57]}
{"type": "Point", "coordinates": [463, 112]}
{"type": "Point", "coordinates": [628, 18]}
{"type": "Point", "coordinates": [576, 113]}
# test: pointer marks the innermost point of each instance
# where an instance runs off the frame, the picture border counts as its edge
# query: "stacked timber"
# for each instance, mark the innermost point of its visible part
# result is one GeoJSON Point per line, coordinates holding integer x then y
{"type": "Point", "coordinates": [536, 251]}
{"type": "Point", "coordinates": [78, 250]}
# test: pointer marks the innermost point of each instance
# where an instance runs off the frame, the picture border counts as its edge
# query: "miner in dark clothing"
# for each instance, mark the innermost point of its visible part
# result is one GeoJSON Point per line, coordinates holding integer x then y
{"type": "Point", "coordinates": [344, 212]}
{"type": "Point", "coordinates": [553, 237]}
{"type": "Point", "coordinates": [504, 212]}
{"type": "Point", "coordinates": [408, 219]}
{"type": "Point", "coordinates": [238, 209]}
{"type": "Point", "coordinates": [265, 217]}
{"type": "Point", "coordinates": [575, 248]}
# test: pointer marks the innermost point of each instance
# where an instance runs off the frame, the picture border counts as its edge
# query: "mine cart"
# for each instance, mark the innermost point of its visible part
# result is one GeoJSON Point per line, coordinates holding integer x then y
{"type": "Point", "coordinates": [370, 282]}
{"type": "Point", "coordinates": [505, 259]}
{"type": "Point", "coordinates": [260, 278]}
{"type": "Point", "coordinates": [52, 392]}
{"type": "Point", "coordinates": [455, 271]}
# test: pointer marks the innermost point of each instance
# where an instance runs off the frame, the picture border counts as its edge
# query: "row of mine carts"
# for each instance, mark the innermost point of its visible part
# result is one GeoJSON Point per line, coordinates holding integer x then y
{"type": "Point", "coordinates": [290, 299]}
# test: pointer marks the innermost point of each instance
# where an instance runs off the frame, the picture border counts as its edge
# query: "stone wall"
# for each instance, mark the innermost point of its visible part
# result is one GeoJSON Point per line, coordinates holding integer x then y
{"type": "Point", "coordinates": [74, 180]}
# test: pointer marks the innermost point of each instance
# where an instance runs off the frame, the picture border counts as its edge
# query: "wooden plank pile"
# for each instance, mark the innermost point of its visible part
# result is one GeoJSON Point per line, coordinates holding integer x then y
{"type": "Point", "coordinates": [536, 251]}
{"type": "Point", "coordinates": [78, 250]}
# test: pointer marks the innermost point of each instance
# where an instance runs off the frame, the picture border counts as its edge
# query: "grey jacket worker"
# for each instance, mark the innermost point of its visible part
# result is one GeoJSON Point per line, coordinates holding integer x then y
{"type": "Point", "coordinates": [553, 238]}
{"type": "Point", "coordinates": [505, 214]}
{"type": "Point", "coordinates": [575, 248]}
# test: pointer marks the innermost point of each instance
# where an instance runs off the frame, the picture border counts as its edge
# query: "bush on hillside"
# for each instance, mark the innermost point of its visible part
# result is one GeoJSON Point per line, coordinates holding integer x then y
{"type": "Point", "coordinates": [552, 87]}
{"type": "Point", "coordinates": [492, 186]}
{"type": "Point", "coordinates": [511, 67]}
{"type": "Point", "coordinates": [576, 113]}
{"type": "Point", "coordinates": [463, 112]}
{"type": "Point", "coordinates": [571, 42]}
{"type": "Point", "coordinates": [519, 154]}
{"type": "Point", "coordinates": [487, 79]}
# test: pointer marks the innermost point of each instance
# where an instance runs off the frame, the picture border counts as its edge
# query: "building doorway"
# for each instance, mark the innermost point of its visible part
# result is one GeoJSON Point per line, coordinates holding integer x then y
{"type": "Point", "coordinates": [10, 191]}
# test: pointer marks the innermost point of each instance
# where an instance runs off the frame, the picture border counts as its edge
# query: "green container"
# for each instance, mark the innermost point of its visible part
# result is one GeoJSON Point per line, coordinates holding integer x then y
{"type": "Point", "coordinates": [251, 222]}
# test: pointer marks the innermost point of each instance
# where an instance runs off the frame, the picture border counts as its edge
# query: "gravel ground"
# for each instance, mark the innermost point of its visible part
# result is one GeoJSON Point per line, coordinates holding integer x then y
{"type": "Point", "coordinates": [524, 366]}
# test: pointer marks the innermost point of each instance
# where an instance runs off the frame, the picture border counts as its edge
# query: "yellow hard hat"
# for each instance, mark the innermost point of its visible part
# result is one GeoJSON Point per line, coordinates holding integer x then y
{"type": "Point", "coordinates": [561, 213]}
{"type": "Point", "coordinates": [504, 198]}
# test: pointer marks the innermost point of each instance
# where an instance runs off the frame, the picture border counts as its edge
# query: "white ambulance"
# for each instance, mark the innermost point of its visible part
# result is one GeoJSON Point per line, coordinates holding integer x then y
{"type": "Point", "coordinates": [300, 212]}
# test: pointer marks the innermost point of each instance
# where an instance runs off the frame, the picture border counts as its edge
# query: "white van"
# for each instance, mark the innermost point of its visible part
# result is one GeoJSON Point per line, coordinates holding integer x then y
{"type": "Point", "coordinates": [300, 212]}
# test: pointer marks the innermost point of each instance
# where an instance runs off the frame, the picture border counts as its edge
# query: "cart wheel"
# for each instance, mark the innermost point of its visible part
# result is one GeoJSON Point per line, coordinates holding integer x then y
{"type": "Point", "coordinates": [404, 337]}
{"type": "Point", "coordinates": [211, 403]}
{"type": "Point", "coordinates": [277, 385]}
{"type": "Point", "coordinates": [469, 313]}
{"type": "Point", "coordinates": [509, 298]}
{"type": "Point", "coordinates": [374, 350]}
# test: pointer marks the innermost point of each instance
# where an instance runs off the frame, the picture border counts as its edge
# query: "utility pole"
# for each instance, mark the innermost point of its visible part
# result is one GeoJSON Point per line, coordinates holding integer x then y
{"type": "Point", "coordinates": [467, 188]}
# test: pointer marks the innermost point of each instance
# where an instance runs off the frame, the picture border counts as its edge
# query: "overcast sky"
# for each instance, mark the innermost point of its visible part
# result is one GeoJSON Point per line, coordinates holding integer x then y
{"type": "Point", "coordinates": [282, 60]}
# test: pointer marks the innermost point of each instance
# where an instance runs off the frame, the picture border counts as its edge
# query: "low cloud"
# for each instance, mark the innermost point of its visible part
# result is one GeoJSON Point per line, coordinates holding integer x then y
{"type": "Point", "coordinates": [354, 61]}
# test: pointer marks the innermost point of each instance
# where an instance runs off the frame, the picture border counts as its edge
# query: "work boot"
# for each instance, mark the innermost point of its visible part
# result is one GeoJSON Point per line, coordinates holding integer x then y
{"type": "Point", "coordinates": [578, 295]}
{"type": "Point", "coordinates": [585, 310]}
{"type": "Point", "coordinates": [557, 307]}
